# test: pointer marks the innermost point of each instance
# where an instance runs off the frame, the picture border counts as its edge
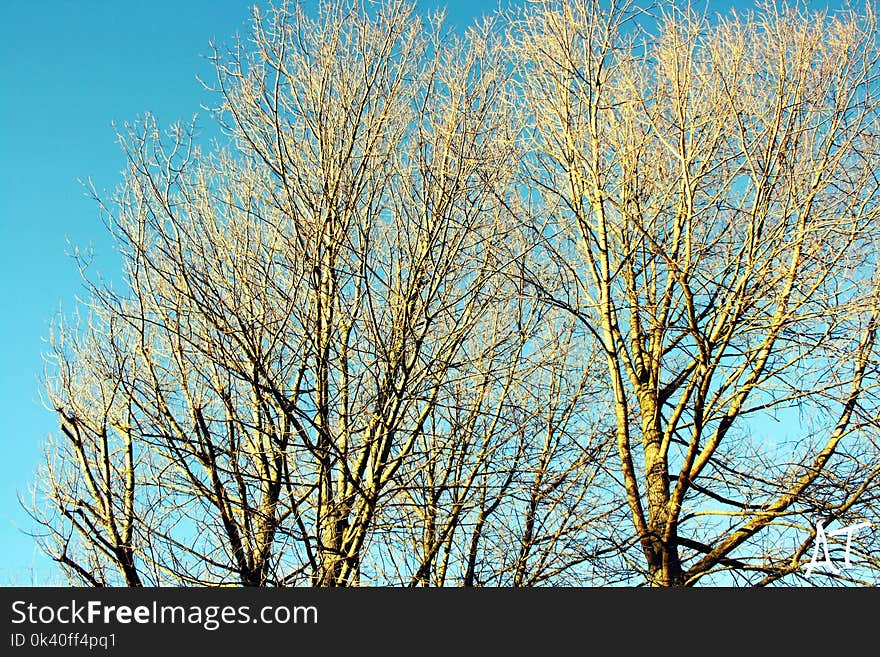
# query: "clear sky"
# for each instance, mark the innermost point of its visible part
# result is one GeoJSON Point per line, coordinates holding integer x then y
{"type": "Point", "coordinates": [69, 69]}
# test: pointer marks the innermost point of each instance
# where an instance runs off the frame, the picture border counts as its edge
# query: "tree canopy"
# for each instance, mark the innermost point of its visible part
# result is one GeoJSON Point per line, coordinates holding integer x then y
{"type": "Point", "coordinates": [585, 295]}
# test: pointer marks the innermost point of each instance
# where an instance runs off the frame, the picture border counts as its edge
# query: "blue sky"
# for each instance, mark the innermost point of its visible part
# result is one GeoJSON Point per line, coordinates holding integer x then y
{"type": "Point", "coordinates": [69, 69]}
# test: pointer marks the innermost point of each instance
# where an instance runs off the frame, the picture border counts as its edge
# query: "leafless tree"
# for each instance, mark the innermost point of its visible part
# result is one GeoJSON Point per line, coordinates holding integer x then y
{"type": "Point", "coordinates": [320, 331]}
{"type": "Point", "coordinates": [586, 295]}
{"type": "Point", "coordinates": [709, 191]}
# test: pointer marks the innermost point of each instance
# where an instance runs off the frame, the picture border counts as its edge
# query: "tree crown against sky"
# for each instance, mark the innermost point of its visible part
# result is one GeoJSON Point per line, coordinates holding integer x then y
{"type": "Point", "coordinates": [507, 308]}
